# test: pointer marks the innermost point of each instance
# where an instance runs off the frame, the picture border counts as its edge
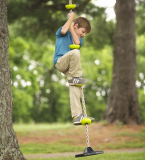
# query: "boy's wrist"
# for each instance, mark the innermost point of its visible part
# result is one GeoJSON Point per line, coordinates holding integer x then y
{"type": "Point", "coordinates": [71, 15]}
{"type": "Point", "coordinates": [72, 27]}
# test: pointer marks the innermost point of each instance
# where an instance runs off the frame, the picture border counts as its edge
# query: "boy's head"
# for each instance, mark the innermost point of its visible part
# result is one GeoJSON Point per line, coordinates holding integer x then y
{"type": "Point", "coordinates": [82, 22]}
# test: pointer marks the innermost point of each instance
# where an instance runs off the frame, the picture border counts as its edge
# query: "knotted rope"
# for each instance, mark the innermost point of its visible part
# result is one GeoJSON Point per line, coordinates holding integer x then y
{"type": "Point", "coordinates": [85, 115]}
{"type": "Point", "coordinates": [83, 102]}
{"type": "Point", "coordinates": [70, 2]}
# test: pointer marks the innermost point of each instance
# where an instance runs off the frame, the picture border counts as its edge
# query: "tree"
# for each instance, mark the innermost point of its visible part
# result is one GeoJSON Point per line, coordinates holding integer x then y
{"type": "Point", "coordinates": [9, 148]}
{"type": "Point", "coordinates": [41, 18]}
{"type": "Point", "coordinates": [123, 99]}
{"type": "Point", "coordinates": [42, 97]}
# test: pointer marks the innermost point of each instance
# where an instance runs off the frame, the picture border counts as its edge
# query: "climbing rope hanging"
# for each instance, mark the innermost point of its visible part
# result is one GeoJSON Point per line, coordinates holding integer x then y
{"type": "Point", "coordinates": [85, 115]}
{"type": "Point", "coordinates": [72, 6]}
{"type": "Point", "coordinates": [86, 121]}
{"type": "Point", "coordinates": [70, 2]}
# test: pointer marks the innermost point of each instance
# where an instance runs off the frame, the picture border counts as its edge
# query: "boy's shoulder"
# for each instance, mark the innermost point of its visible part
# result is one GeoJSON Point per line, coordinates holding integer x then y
{"type": "Point", "coordinates": [59, 30]}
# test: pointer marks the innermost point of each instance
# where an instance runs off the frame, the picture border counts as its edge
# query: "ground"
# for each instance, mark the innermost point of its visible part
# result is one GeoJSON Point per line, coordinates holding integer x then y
{"type": "Point", "coordinates": [101, 136]}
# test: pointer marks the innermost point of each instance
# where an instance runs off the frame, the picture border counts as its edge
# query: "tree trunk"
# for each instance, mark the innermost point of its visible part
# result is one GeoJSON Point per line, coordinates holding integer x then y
{"type": "Point", "coordinates": [123, 98]}
{"type": "Point", "coordinates": [9, 148]}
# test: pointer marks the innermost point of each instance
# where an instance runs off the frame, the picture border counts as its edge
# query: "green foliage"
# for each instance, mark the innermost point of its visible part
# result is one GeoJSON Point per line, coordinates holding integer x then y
{"type": "Point", "coordinates": [102, 32]}
{"type": "Point", "coordinates": [97, 66]}
{"type": "Point", "coordinates": [33, 70]}
{"type": "Point", "coordinates": [22, 79]}
{"type": "Point", "coordinates": [23, 103]}
{"type": "Point", "coordinates": [33, 87]}
{"type": "Point", "coordinates": [141, 74]}
{"type": "Point", "coordinates": [40, 18]}
{"type": "Point", "coordinates": [41, 93]}
{"type": "Point", "coordinates": [36, 84]}
{"type": "Point", "coordinates": [140, 24]}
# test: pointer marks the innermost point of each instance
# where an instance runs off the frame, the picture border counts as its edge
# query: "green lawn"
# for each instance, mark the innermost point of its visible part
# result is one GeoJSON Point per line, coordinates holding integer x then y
{"type": "Point", "coordinates": [49, 148]}
{"type": "Point", "coordinates": [67, 144]}
{"type": "Point", "coordinates": [40, 127]}
{"type": "Point", "coordinates": [36, 148]}
{"type": "Point", "coordinates": [105, 156]}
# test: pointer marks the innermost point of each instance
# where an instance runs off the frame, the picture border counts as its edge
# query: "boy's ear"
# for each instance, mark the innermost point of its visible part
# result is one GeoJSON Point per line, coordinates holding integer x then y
{"type": "Point", "coordinates": [76, 25]}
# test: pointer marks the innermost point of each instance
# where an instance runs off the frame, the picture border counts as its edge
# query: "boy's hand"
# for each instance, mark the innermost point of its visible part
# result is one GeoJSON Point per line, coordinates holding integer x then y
{"type": "Point", "coordinates": [67, 25]}
{"type": "Point", "coordinates": [71, 26]}
{"type": "Point", "coordinates": [71, 15]}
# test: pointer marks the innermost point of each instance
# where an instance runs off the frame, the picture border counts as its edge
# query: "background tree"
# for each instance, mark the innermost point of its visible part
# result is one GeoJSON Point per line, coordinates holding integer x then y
{"type": "Point", "coordinates": [9, 148]}
{"type": "Point", "coordinates": [40, 18]}
{"type": "Point", "coordinates": [123, 99]}
{"type": "Point", "coordinates": [36, 85]}
{"type": "Point", "coordinates": [31, 59]}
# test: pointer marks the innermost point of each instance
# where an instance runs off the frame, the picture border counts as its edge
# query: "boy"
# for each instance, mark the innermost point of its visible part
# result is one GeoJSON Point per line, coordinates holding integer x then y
{"type": "Point", "coordinates": [68, 61]}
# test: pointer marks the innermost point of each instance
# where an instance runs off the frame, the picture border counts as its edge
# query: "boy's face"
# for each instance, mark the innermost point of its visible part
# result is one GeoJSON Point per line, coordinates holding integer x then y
{"type": "Point", "coordinates": [81, 32]}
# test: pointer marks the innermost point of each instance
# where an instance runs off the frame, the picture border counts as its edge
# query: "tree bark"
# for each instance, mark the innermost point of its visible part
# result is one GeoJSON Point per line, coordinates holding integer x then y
{"type": "Point", "coordinates": [9, 148]}
{"type": "Point", "coordinates": [123, 98]}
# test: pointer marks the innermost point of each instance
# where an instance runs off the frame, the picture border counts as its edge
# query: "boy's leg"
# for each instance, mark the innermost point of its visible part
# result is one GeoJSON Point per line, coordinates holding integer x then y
{"type": "Point", "coordinates": [75, 103]}
{"type": "Point", "coordinates": [70, 64]}
{"type": "Point", "coordinates": [76, 109]}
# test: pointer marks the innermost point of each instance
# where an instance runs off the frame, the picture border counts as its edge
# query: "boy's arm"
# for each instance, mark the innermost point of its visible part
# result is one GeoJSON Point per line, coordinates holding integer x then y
{"type": "Point", "coordinates": [74, 35]}
{"type": "Point", "coordinates": [68, 23]}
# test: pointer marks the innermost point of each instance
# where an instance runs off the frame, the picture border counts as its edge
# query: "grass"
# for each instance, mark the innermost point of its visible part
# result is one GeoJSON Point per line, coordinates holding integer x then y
{"type": "Point", "coordinates": [105, 156]}
{"type": "Point", "coordinates": [48, 148]}
{"type": "Point", "coordinates": [124, 138]}
{"type": "Point", "coordinates": [36, 148]}
{"type": "Point", "coordinates": [40, 127]}
{"type": "Point", "coordinates": [131, 144]}
{"type": "Point", "coordinates": [26, 129]}
{"type": "Point", "coordinates": [140, 135]}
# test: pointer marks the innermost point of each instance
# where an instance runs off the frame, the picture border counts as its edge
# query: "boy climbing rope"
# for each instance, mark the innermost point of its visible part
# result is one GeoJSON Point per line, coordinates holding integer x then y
{"type": "Point", "coordinates": [68, 62]}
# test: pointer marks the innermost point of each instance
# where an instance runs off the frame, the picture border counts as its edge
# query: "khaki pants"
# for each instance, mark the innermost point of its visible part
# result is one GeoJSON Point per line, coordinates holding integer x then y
{"type": "Point", "coordinates": [70, 65]}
